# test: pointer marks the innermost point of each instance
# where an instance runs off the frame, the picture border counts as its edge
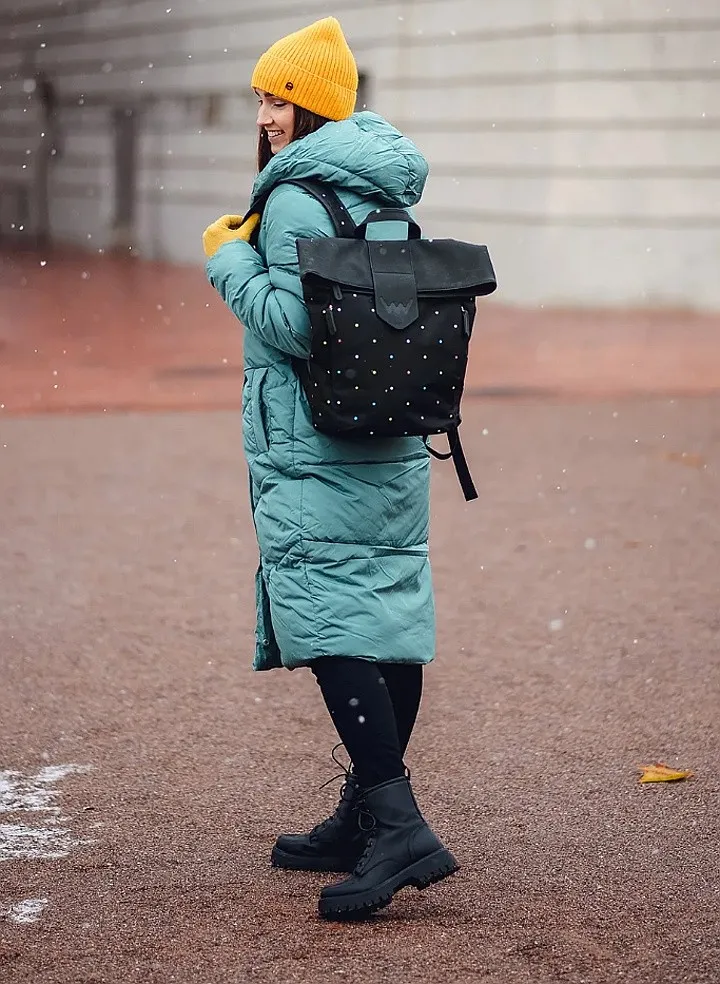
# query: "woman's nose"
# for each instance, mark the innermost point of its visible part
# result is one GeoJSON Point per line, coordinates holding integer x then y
{"type": "Point", "coordinates": [263, 117]}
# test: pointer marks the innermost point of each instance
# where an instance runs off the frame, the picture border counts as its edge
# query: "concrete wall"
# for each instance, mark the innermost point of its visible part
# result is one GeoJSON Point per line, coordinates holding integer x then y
{"type": "Point", "coordinates": [580, 139]}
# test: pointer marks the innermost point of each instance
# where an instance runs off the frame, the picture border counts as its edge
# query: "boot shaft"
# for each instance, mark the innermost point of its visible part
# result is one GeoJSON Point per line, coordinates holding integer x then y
{"type": "Point", "coordinates": [398, 831]}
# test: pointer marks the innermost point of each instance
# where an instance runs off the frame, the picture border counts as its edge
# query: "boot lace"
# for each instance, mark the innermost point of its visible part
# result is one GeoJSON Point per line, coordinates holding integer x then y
{"type": "Point", "coordinates": [345, 774]}
{"type": "Point", "coordinates": [368, 827]}
{"type": "Point", "coordinates": [367, 824]}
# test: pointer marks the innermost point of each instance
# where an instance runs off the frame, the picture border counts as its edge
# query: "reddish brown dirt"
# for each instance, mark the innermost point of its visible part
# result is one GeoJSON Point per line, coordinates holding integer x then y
{"type": "Point", "coordinates": [578, 637]}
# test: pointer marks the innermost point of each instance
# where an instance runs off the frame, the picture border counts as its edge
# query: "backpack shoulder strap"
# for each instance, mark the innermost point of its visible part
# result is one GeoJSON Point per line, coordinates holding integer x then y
{"type": "Point", "coordinates": [328, 198]}
{"type": "Point", "coordinates": [341, 218]}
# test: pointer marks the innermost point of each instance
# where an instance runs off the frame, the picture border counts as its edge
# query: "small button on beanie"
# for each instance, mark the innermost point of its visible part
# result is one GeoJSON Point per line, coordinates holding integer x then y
{"type": "Point", "coordinates": [312, 68]}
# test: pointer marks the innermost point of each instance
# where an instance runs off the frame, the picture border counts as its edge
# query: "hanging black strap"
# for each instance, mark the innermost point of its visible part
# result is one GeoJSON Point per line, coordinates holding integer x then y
{"type": "Point", "coordinates": [459, 460]}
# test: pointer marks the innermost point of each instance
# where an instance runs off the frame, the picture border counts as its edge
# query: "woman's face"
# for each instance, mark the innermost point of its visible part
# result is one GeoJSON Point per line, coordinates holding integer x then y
{"type": "Point", "coordinates": [277, 118]}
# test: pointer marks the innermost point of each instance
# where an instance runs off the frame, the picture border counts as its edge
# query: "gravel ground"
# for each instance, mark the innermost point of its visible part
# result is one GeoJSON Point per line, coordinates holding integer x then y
{"type": "Point", "coordinates": [578, 637]}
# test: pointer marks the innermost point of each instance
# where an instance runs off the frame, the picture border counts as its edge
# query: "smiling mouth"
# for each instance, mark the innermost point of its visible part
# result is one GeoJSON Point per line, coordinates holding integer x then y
{"type": "Point", "coordinates": [274, 134]}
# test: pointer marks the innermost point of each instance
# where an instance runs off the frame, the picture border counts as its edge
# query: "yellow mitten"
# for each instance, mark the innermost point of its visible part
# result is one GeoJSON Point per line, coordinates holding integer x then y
{"type": "Point", "coordinates": [226, 229]}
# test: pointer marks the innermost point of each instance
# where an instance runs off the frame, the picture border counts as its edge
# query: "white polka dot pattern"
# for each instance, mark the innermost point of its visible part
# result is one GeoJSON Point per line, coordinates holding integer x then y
{"type": "Point", "coordinates": [367, 378]}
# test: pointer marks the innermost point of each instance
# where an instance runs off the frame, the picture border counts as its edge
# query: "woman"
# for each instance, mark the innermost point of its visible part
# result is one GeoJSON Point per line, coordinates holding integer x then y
{"type": "Point", "coordinates": [344, 582]}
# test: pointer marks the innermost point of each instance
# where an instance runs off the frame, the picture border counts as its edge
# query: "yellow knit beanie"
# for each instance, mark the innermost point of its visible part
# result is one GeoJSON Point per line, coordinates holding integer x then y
{"type": "Point", "coordinates": [312, 68]}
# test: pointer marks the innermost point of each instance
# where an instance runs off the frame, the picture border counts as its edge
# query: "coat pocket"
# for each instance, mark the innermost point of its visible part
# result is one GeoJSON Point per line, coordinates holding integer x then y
{"type": "Point", "coordinates": [254, 412]}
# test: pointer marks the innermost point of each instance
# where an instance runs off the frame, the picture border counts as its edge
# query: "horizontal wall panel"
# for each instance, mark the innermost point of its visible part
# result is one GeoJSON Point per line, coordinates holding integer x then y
{"type": "Point", "coordinates": [557, 173]}
{"type": "Point", "coordinates": [13, 174]}
{"type": "Point", "coordinates": [88, 178]}
{"type": "Point", "coordinates": [557, 124]}
{"type": "Point", "coordinates": [233, 178]}
{"type": "Point", "coordinates": [608, 199]}
{"type": "Point", "coordinates": [14, 143]}
{"type": "Point", "coordinates": [441, 57]}
{"type": "Point", "coordinates": [680, 224]}
{"type": "Point", "coordinates": [151, 12]}
{"type": "Point", "coordinates": [229, 145]}
{"type": "Point", "coordinates": [81, 162]}
{"type": "Point", "coordinates": [98, 145]}
{"type": "Point", "coordinates": [21, 118]}
{"type": "Point", "coordinates": [137, 85]}
{"type": "Point", "coordinates": [639, 151]}
{"type": "Point", "coordinates": [553, 15]}
{"type": "Point", "coordinates": [231, 188]}
{"type": "Point", "coordinates": [11, 60]}
{"type": "Point", "coordinates": [548, 265]}
{"type": "Point", "coordinates": [107, 15]}
{"type": "Point", "coordinates": [610, 100]}
{"type": "Point", "coordinates": [84, 186]}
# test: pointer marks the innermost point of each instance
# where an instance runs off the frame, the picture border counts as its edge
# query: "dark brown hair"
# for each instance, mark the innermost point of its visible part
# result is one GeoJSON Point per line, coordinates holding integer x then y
{"type": "Point", "coordinates": [305, 124]}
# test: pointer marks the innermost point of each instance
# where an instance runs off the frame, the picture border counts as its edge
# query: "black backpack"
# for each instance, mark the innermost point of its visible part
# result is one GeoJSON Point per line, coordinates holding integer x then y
{"type": "Point", "coordinates": [391, 323]}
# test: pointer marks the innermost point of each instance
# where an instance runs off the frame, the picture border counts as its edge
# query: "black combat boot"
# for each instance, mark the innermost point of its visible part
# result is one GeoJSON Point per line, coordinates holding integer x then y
{"type": "Point", "coordinates": [401, 850]}
{"type": "Point", "coordinates": [333, 845]}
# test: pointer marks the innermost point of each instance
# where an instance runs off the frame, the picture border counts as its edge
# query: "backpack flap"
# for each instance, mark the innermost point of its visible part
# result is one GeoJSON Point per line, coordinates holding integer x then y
{"type": "Point", "coordinates": [439, 266]}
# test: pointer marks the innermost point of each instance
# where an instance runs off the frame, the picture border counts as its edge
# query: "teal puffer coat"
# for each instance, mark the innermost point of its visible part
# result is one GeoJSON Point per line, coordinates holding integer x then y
{"type": "Point", "coordinates": [342, 525]}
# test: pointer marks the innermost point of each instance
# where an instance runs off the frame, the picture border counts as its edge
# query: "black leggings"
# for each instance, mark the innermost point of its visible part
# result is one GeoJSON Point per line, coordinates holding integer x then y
{"type": "Point", "coordinates": [373, 707]}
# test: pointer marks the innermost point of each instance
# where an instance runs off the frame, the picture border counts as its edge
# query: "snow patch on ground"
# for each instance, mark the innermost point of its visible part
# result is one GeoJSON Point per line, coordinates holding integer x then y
{"type": "Point", "coordinates": [27, 911]}
{"type": "Point", "coordinates": [21, 843]}
{"type": "Point", "coordinates": [36, 792]}
{"type": "Point", "coordinates": [33, 794]}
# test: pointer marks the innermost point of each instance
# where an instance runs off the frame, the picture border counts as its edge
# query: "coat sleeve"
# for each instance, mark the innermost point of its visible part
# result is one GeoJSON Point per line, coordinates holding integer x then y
{"type": "Point", "coordinates": [266, 294]}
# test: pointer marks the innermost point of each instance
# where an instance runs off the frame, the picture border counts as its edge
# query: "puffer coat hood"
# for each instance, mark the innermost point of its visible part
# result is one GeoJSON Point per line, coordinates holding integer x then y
{"type": "Point", "coordinates": [364, 154]}
{"type": "Point", "coordinates": [342, 525]}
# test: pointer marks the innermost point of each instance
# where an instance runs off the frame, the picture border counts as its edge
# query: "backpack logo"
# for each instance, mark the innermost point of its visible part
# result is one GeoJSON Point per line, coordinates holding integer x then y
{"type": "Point", "coordinates": [398, 307]}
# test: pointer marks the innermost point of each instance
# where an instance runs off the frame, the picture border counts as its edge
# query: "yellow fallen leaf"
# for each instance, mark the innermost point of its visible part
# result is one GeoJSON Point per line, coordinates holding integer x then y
{"type": "Point", "coordinates": [687, 458]}
{"type": "Point", "coordinates": [659, 772]}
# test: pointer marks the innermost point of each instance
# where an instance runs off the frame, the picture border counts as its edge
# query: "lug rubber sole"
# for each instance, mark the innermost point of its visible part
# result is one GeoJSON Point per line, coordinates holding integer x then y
{"type": "Point", "coordinates": [291, 862]}
{"type": "Point", "coordinates": [423, 873]}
